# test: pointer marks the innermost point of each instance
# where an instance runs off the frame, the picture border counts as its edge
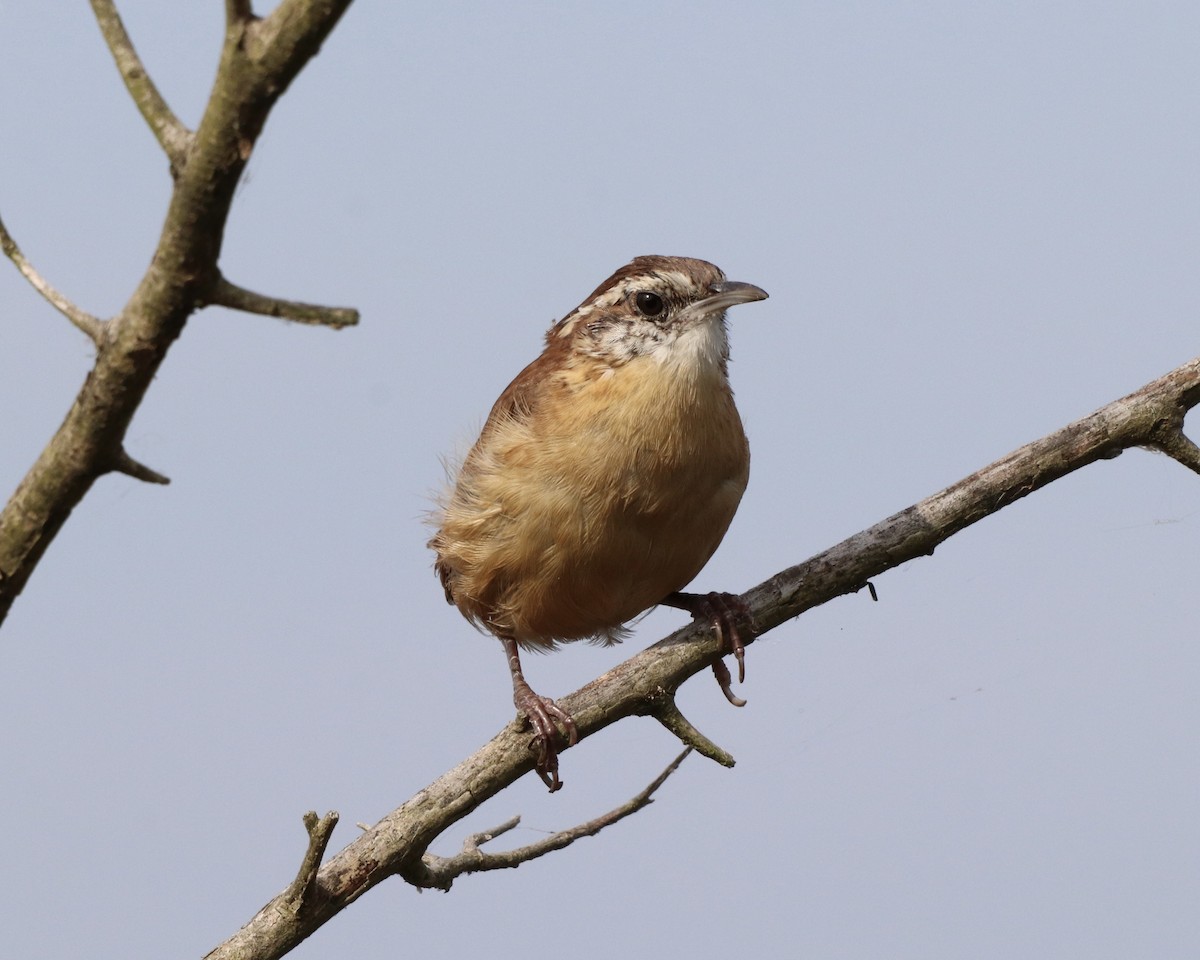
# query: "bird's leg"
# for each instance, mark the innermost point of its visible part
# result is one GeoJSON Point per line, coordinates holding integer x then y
{"type": "Point", "coordinates": [724, 611]}
{"type": "Point", "coordinates": [544, 716]}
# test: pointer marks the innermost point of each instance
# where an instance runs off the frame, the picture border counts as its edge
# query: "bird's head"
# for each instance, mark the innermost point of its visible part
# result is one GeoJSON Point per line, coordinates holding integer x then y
{"type": "Point", "coordinates": [667, 309]}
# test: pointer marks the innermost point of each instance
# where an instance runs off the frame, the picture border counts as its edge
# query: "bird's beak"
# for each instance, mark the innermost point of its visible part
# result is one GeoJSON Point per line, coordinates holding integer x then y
{"type": "Point", "coordinates": [726, 293]}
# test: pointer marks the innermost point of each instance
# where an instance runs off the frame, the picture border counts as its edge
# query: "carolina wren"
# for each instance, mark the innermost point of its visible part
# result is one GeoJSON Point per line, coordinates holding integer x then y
{"type": "Point", "coordinates": [604, 478]}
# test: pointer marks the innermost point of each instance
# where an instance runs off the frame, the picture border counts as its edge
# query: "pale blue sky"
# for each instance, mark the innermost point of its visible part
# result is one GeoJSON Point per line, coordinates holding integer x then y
{"type": "Point", "coordinates": [976, 223]}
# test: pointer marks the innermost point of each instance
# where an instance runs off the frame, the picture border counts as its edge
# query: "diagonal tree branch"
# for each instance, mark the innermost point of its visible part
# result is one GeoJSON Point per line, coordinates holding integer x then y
{"type": "Point", "coordinates": [259, 60]}
{"type": "Point", "coordinates": [398, 844]}
{"type": "Point", "coordinates": [171, 134]}
{"type": "Point", "coordinates": [1150, 417]}
{"type": "Point", "coordinates": [90, 325]}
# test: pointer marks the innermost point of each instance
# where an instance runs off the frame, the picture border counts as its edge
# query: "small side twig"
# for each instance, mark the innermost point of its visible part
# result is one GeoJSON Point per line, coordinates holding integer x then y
{"type": "Point", "coordinates": [320, 829]}
{"type": "Point", "coordinates": [171, 134]}
{"type": "Point", "coordinates": [440, 872]}
{"type": "Point", "coordinates": [1180, 448]}
{"type": "Point", "coordinates": [92, 326]}
{"type": "Point", "coordinates": [226, 294]}
{"type": "Point", "coordinates": [472, 844]}
{"type": "Point", "coordinates": [124, 463]}
{"type": "Point", "coordinates": [667, 713]}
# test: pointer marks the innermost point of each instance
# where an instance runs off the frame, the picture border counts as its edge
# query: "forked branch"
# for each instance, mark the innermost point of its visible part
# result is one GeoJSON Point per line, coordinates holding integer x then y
{"type": "Point", "coordinates": [304, 888]}
{"type": "Point", "coordinates": [259, 59]}
{"type": "Point", "coordinates": [441, 872]}
{"type": "Point", "coordinates": [644, 684]}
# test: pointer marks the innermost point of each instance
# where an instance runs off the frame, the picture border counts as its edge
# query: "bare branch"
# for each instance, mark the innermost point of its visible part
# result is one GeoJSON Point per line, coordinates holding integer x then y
{"type": "Point", "coordinates": [669, 715]}
{"type": "Point", "coordinates": [226, 294]}
{"type": "Point", "coordinates": [300, 894]}
{"type": "Point", "coordinates": [643, 684]}
{"type": "Point", "coordinates": [124, 463]}
{"type": "Point", "coordinates": [90, 325]}
{"type": "Point", "coordinates": [171, 134]}
{"type": "Point", "coordinates": [440, 872]}
{"type": "Point", "coordinates": [257, 66]}
{"type": "Point", "coordinates": [1150, 417]}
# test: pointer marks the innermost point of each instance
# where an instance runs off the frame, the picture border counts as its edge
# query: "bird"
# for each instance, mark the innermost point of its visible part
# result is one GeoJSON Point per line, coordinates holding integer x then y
{"type": "Point", "coordinates": [603, 480]}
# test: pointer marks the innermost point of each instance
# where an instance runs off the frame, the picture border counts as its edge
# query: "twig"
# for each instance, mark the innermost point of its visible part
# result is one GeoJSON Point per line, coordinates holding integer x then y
{"type": "Point", "coordinates": [320, 829]}
{"type": "Point", "coordinates": [1180, 448]}
{"type": "Point", "coordinates": [440, 872]}
{"type": "Point", "coordinates": [171, 134]}
{"type": "Point", "coordinates": [125, 464]}
{"type": "Point", "coordinates": [226, 294]}
{"type": "Point", "coordinates": [476, 840]}
{"type": "Point", "coordinates": [92, 326]}
{"type": "Point", "coordinates": [668, 714]}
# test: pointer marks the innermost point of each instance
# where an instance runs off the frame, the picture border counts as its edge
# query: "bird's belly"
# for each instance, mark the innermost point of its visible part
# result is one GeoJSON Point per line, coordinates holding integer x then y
{"type": "Point", "coordinates": [624, 519]}
{"type": "Point", "coordinates": [598, 512]}
{"type": "Point", "coordinates": [612, 566]}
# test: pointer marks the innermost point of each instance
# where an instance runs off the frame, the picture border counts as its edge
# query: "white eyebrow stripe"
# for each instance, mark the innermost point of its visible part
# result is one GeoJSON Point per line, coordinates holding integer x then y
{"type": "Point", "coordinates": [674, 284]}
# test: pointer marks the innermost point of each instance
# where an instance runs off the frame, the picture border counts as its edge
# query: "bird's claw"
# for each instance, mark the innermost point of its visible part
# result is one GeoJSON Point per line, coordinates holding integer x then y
{"type": "Point", "coordinates": [725, 611]}
{"type": "Point", "coordinates": [721, 672]}
{"type": "Point", "coordinates": [550, 723]}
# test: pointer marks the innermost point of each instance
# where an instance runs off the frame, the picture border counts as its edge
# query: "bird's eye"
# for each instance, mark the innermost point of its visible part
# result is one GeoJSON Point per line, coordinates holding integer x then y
{"type": "Point", "coordinates": [650, 304]}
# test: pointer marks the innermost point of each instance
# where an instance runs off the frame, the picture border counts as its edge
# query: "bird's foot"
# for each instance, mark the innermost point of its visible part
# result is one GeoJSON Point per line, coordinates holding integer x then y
{"type": "Point", "coordinates": [725, 611]}
{"type": "Point", "coordinates": [546, 718]}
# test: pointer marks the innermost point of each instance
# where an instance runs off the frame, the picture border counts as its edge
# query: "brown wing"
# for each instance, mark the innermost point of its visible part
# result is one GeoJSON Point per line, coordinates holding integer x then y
{"type": "Point", "coordinates": [520, 398]}
{"type": "Point", "coordinates": [517, 403]}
